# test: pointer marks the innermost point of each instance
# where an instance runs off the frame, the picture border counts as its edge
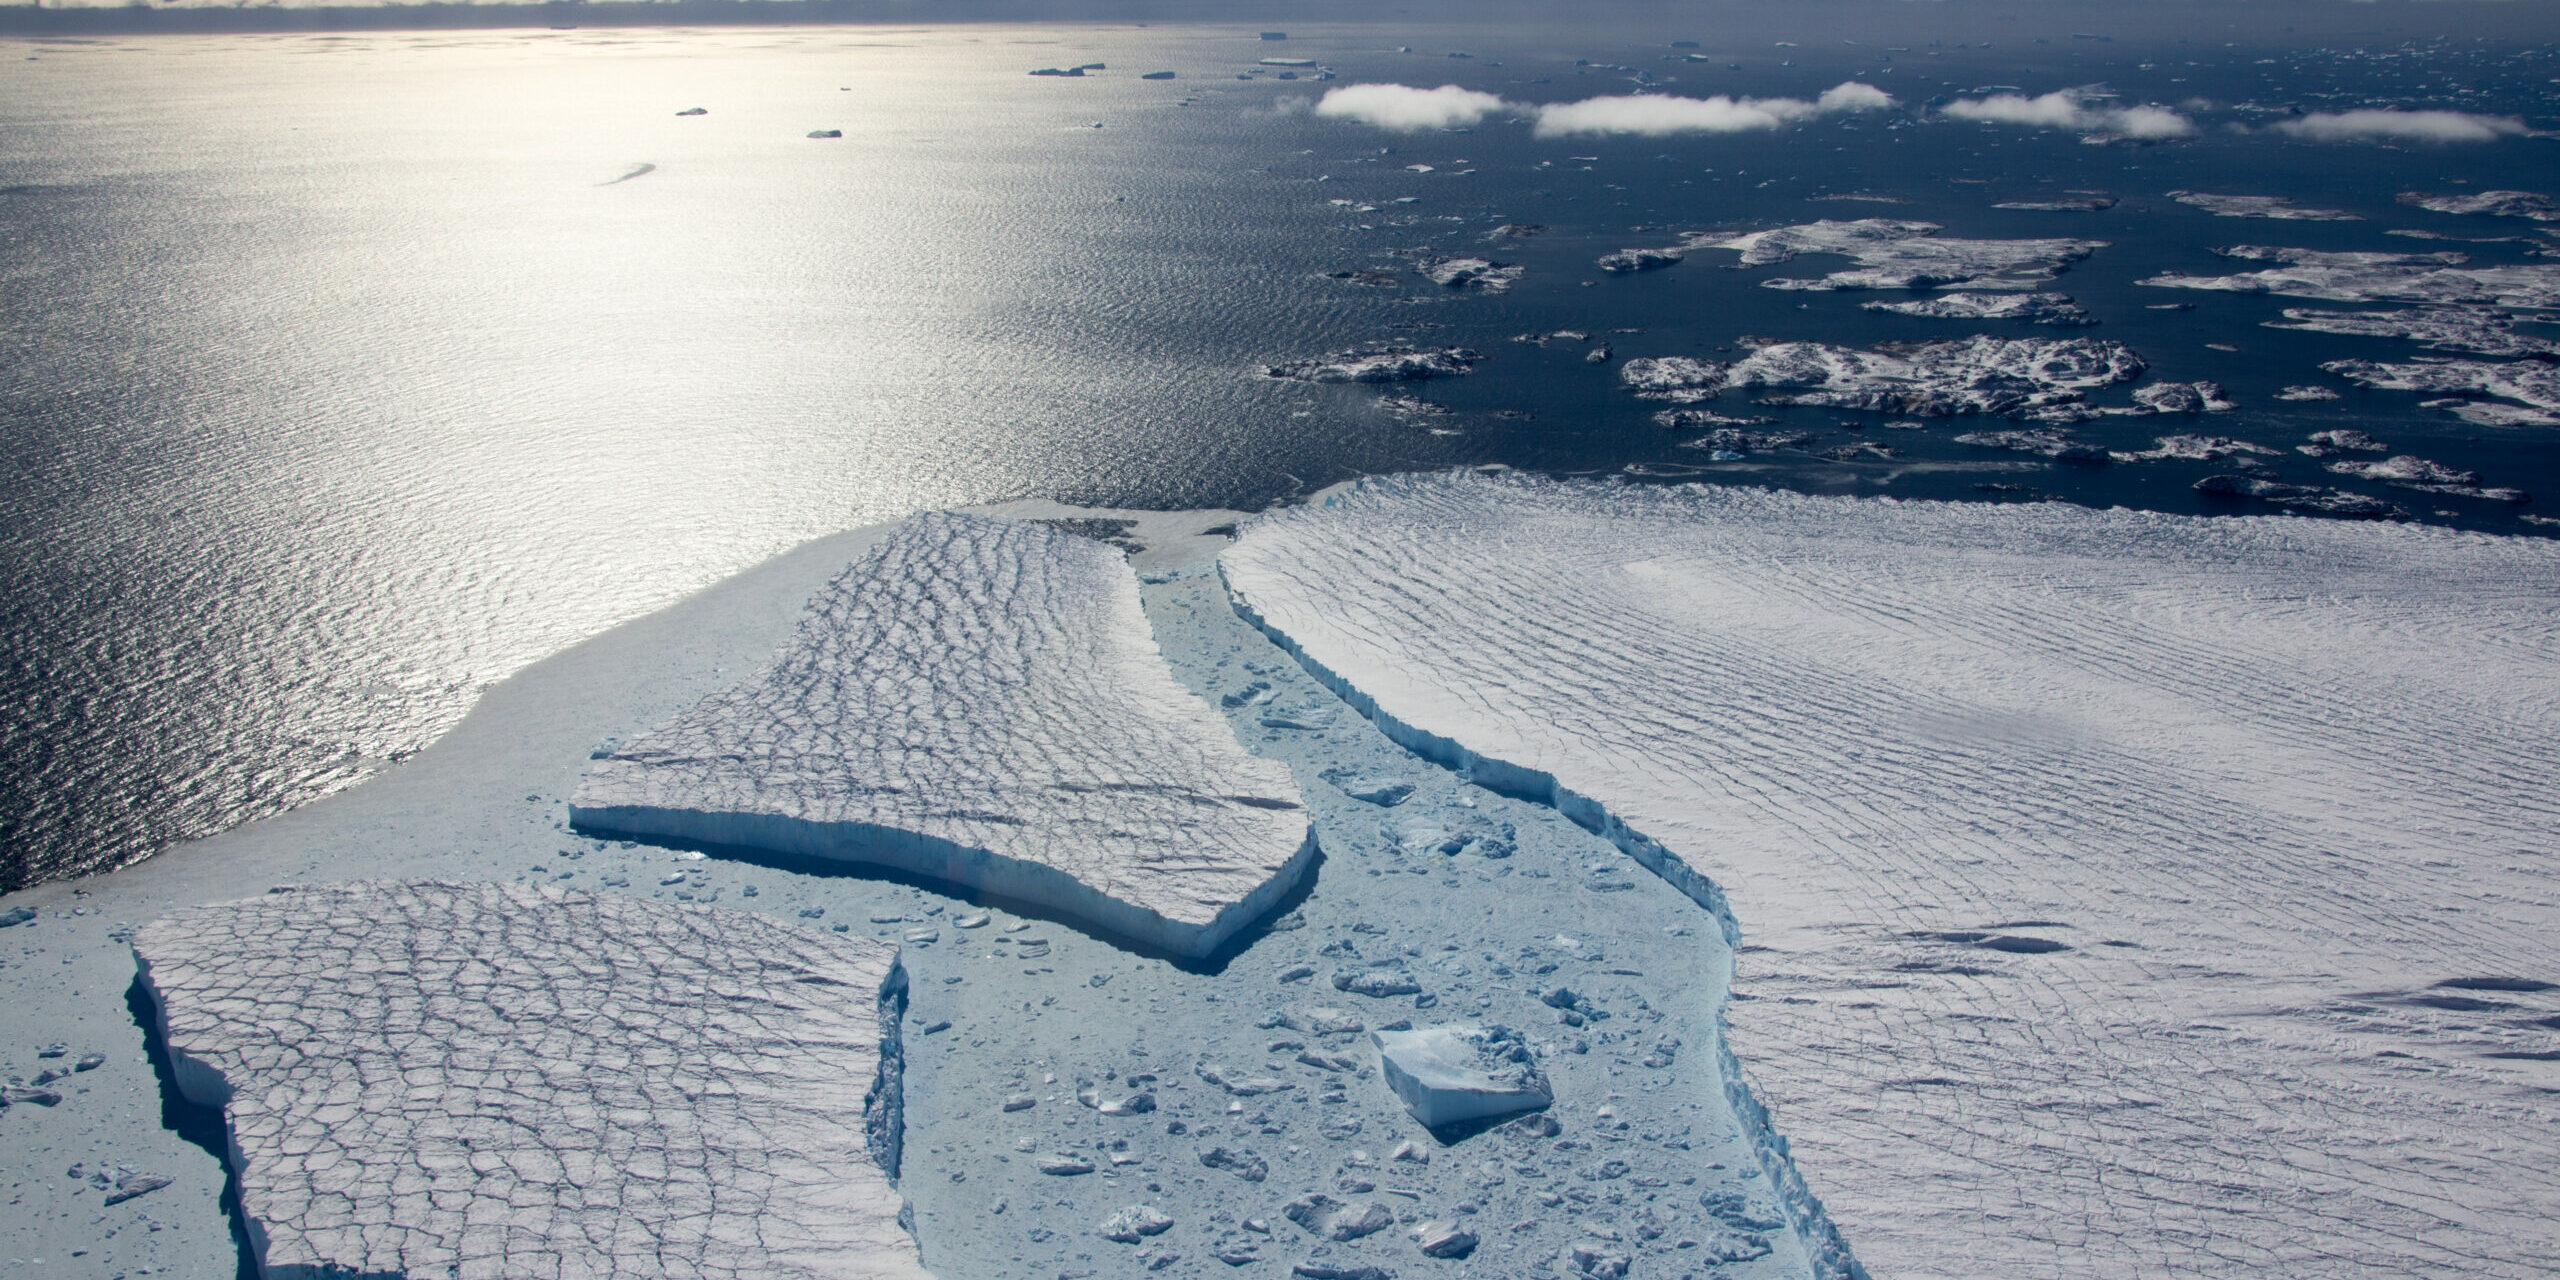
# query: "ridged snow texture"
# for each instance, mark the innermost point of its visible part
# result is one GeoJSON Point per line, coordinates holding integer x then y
{"type": "Point", "coordinates": [981, 701]}
{"type": "Point", "coordinates": [496, 1081]}
{"type": "Point", "coordinates": [2126, 894]}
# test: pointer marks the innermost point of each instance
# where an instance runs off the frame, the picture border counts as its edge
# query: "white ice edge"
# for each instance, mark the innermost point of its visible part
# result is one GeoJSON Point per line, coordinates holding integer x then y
{"type": "Point", "coordinates": [972, 870]}
{"type": "Point", "coordinates": [1806, 1218]}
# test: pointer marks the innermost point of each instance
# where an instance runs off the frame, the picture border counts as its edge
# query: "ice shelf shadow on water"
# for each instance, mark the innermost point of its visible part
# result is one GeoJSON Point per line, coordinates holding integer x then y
{"type": "Point", "coordinates": [427, 1078]}
{"type": "Point", "coordinates": [979, 701]}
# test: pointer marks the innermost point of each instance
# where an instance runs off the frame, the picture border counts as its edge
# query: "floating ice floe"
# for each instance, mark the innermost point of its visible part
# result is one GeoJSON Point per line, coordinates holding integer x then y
{"type": "Point", "coordinates": [496, 1079]}
{"type": "Point", "coordinates": [2038, 308]}
{"type": "Point", "coordinates": [2275, 207]}
{"type": "Point", "coordinates": [980, 701]}
{"type": "Point", "coordinates": [2308, 498]}
{"type": "Point", "coordinates": [2489, 333]}
{"type": "Point", "coordinates": [1469, 273]}
{"type": "Point", "coordinates": [1980, 374]}
{"type": "Point", "coordinates": [1381, 364]}
{"type": "Point", "coordinates": [2502, 204]}
{"type": "Point", "coordinates": [2406, 472]}
{"type": "Point", "coordinates": [2438, 278]}
{"type": "Point", "coordinates": [2177, 869]}
{"type": "Point", "coordinates": [1894, 254]}
{"type": "Point", "coordinates": [1450, 1075]}
{"type": "Point", "coordinates": [2533, 382]}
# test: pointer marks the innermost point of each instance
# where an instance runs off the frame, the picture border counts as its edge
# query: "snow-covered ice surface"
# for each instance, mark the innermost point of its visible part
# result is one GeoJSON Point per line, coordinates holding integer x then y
{"type": "Point", "coordinates": [1896, 254]}
{"type": "Point", "coordinates": [980, 701]}
{"type": "Point", "coordinates": [2120, 893]}
{"type": "Point", "coordinates": [503, 1080]}
{"type": "Point", "coordinates": [2037, 308]}
{"type": "Point", "coordinates": [2434, 278]}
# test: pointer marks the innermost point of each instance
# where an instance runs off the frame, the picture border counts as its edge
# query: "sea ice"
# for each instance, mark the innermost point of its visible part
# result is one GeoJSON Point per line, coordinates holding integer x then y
{"type": "Point", "coordinates": [1381, 364]}
{"type": "Point", "coordinates": [2247, 802]}
{"type": "Point", "coordinates": [980, 701]}
{"type": "Point", "coordinates": [2275, 207]}
{"type": "Point", "coordinates": [2038, 308]}
{"type": "Point", "coordinates": [2534, 382]}
{"type": "Point", "coordinates": [1894, 254]}
{"type": "Point", "coordinates": [1980, 374]}
{"type": "Point", "coordinates": [497, 1079]}
{"type": "Point", "coordinates": [2434, 278]}
{"type": "Point", "coordinates": [1450, 1075]}
{"type": "Point", "coordinates": [2475, 329]}
{"type": "Point", "coordinates": [2503, 204]}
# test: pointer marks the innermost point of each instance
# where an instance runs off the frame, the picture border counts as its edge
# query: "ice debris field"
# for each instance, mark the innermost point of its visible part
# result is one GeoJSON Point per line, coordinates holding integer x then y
{"type": "Point", "coordinates": [2090, 893]}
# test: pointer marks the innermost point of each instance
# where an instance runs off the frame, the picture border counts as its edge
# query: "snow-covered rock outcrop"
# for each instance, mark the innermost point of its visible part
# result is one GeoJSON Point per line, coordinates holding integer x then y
{"type": "Point", "coordinates": [1380, 364]}
{"type": "Point", "coordinates": [2476, 329]}
{"type": "Point", "coordinates": [1895, 254]}
{"type": "Point", "coordinates": [980, 701]}
{"type": "Point", "coordinates": [1980, 374]}
{"type": "Point", "coordinates": [2531, 381]}
{"type": "Point", "coordinates": [2035, 308]}
{"type": "Point", "coordinates": [2502, 204]}
{"type": "Point", "coordinates": [426, 1079]}
{"type": "Point", "coordinates": [2278, 208]}
{"type": "Point", "coordinates": [2126, 893]}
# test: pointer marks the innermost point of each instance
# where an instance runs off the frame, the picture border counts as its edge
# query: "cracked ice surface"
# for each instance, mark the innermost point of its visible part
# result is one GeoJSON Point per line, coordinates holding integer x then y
{"type": "Point", "coordinates": [2125, 893]}
{"type": "Point", "coordinates": [981, 701]}
{"type": "Point", "coordinates": [496, 1080]}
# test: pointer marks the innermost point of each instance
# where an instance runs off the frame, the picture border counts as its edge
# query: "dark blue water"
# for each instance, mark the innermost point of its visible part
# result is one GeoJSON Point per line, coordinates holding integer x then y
{"type": "Point", "coordinates": [348, 374]}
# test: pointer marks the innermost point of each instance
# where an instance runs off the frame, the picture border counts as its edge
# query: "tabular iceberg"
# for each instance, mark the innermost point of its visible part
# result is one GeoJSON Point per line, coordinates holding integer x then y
{"type": "Point", "coordinates": [2126, 893]}
{"type": "Point", "coordinates": [499, 1080]}
{"type": "Point", "coordinates": [981, 701]}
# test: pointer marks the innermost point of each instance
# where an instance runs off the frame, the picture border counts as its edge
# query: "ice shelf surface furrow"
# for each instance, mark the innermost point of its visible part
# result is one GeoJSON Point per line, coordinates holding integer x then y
{"type": "Point", "coordinates": [425, 1079]}
{"type": "Point", "coordinates": [981, 701]}
{"type": "Point", "coordinates": [2118, 889]}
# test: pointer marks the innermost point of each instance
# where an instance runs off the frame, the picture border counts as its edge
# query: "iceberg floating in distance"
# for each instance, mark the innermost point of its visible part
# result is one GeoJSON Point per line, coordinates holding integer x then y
{"type": "Point", "coordinates": [980, 701]}
{"type": "Point", "coordinates": [2189, 872]}
{"type": "Point", "coordinates": [429, 1079]}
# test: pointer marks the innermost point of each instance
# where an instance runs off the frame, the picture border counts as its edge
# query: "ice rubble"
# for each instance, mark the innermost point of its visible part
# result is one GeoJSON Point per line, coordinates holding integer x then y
{"type": "Point", "coordinates": [2433, 278]}
{"type": "Point", "coordinates": [1895, 254]}
{"type": "Point", "coordinates": [2474, 329]}
{"type": "Point", "coordinates": [2503, 204]}
{"type": "Point", "coordinates": [2276, 207]}
{"type": "Point", "coordinates": [2253, 789]}
{"type": "Point", "coordinates": [2037, 308]}
{"type": "Point", "coordinates": [2531, 381]}
{"type": "Point", "coordinates": [500, 1080]}
{"type": "Point", "coordinates": [980, 701]}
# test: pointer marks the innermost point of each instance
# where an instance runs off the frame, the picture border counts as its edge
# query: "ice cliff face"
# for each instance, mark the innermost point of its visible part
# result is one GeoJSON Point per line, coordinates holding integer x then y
{"type": "Point", "coordinates": [497, 1080]}
{"type": "Point", "coordinates": [2122, 894]}
{"type": "Point", "coordinates": [980, 701]}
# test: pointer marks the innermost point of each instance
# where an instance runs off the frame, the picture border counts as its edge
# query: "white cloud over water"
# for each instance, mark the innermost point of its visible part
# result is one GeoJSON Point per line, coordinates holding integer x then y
{"type": "Point", "coordinates": [1657, 115]}
{"type": "Point", "coordinates": [1405, 109]}
{"type": "Point", "coordinates": [2069, 109]}
{"type": "Point", "coordinates": [2392, 125]}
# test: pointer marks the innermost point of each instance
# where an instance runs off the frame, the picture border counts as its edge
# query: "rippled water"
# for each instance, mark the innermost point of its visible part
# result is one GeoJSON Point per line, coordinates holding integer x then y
{"type": "Point", "coordinates": [348, 374]}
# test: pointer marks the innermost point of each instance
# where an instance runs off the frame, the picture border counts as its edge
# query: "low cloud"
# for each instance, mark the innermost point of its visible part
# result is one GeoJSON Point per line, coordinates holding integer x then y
{"type": "Point", "coordinates": [2385, 125]}
{"type": "Point", "coordinates": [1655, 115]}
{"type": "Point", "coordinates": [2066, 109]}
{"type": "Point", "coordinates": [1405, 109]}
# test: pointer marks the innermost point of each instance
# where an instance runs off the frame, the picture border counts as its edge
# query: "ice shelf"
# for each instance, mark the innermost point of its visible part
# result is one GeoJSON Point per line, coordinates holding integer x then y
{"type": "Point", "coordinates": [490, 1080]}
{"type": "Point", "coordinates": [980, 701]}
{"type": "Point", "coordinates": [2122, 894]}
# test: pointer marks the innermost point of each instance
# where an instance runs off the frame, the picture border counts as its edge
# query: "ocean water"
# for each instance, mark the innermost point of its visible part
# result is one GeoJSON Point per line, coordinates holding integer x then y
{"type": "Point", "coordinates": [347, 374]}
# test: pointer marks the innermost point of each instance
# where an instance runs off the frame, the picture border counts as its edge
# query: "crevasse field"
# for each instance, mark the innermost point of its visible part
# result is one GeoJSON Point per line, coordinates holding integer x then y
{"type": "Point", "coordinates": [2120, 894]}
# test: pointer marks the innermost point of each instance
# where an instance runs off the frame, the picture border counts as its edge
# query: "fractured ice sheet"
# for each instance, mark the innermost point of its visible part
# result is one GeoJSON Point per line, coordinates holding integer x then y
{"type": "Point", "coordinates": [1895, 254]}
{"type": "Point", "coordinates": [2123, 893]}
{"type": "Point", "coordinates": [980, 701]}
{"type": "Point", "coordinates": [2434, 278]}
{"type": "Point", "coordinates": [498, 1080]}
